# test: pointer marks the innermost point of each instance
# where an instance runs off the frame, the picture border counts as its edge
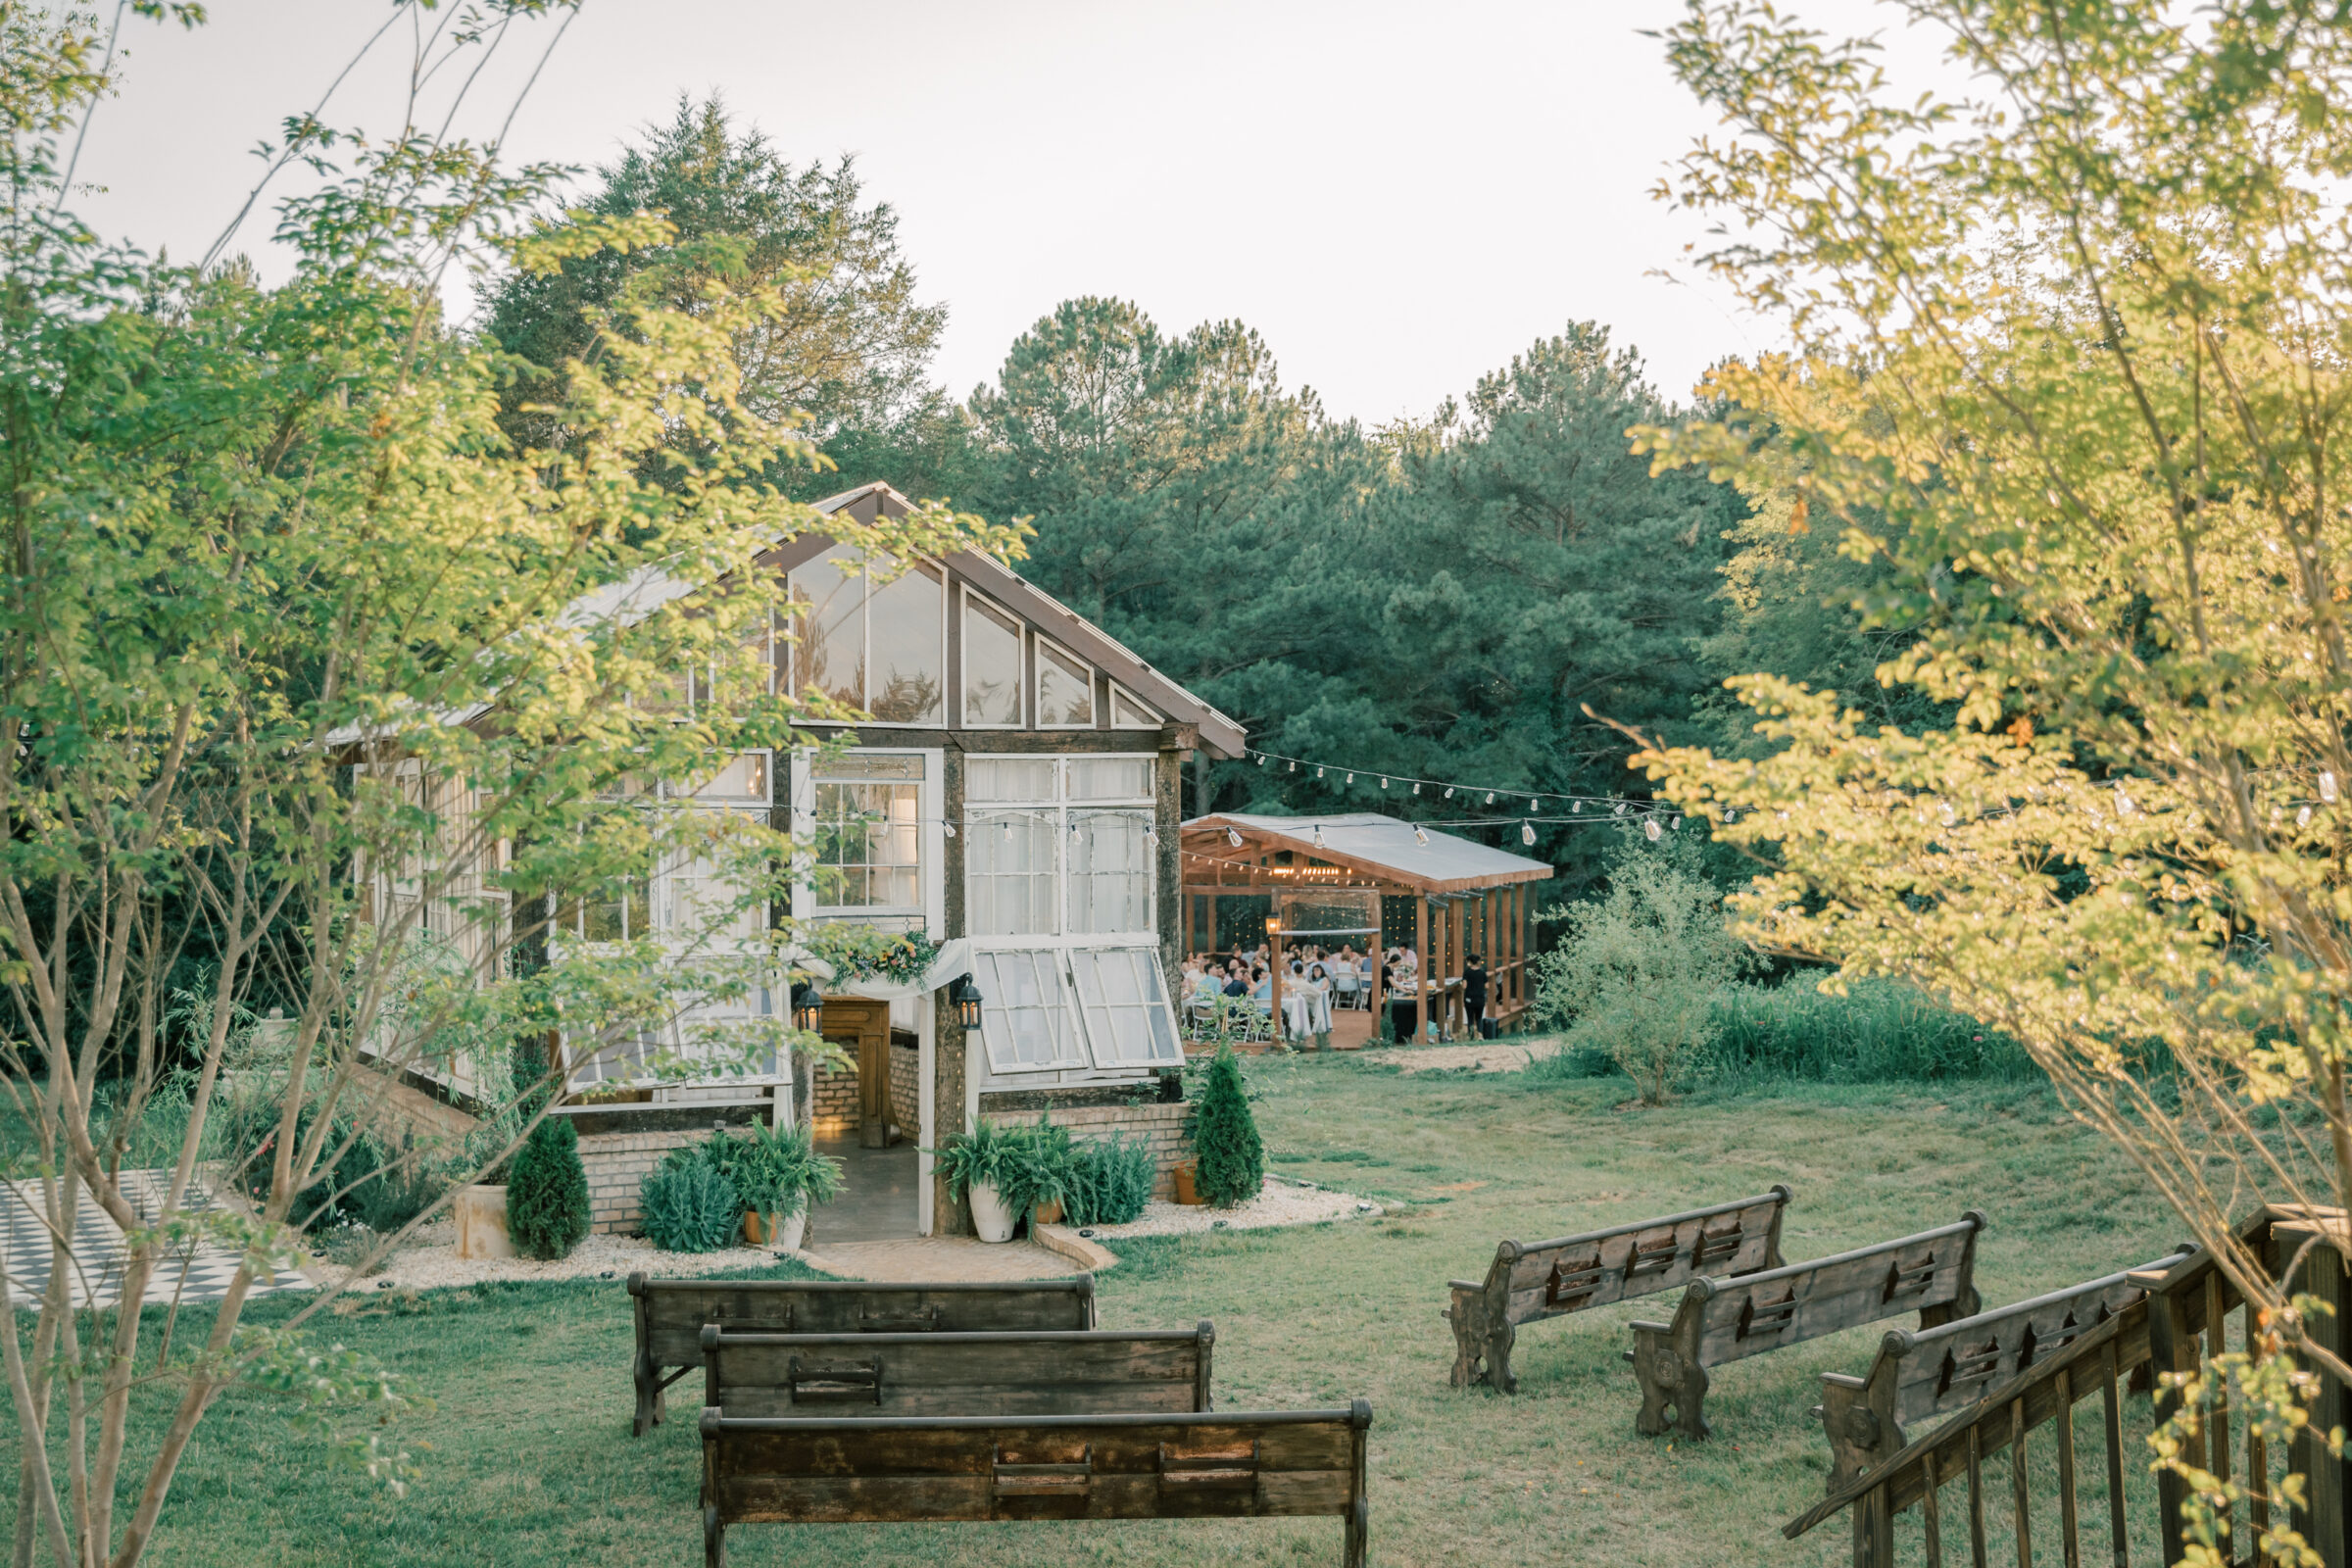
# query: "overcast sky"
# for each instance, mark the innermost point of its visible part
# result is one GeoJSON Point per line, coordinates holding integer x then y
{"type": "Point", "coordinates": [1397, 196]}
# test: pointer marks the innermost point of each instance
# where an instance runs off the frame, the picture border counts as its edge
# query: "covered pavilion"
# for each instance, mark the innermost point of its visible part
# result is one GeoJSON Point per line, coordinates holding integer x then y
{"type": "Point", "coordinates": [1467, 898]}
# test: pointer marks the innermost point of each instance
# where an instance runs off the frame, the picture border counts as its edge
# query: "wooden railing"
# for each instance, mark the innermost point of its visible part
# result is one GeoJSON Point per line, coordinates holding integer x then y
{"type": "Point", "coordinates": [2099, 1512]}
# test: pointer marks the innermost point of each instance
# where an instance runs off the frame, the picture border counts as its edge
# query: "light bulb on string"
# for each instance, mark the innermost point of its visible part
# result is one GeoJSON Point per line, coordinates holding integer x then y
{"type": "Point", "coordinates": [1420, 833]}
{"type": "Point", "coordinates": [1151, 834]}
{"type": "Point", "coordinates": [1318, 835]}
{"type": "Point", "coordinates": [1490, 796]}
{"type": "Point", "coordinates": [1674, 822]}
{"type": "Point", "coordinates": [2327, 787]}
{"type": "Point", "coordinates": [2303, 817]}
{"type": "Point", "coordinates": [1262, 759]}
{"type": "Point", "coordinates": [1384, 783]}
{"type": "Point", "coordinates": [1575, 808]}
{"type": "Point", "coordinates": [1352, 778]}
{"type": "Point", "coordinates": [949, 828]}
{"type": "Point", "coordinates": [1620, 808]}
{"type": "Point", "coordinates": [1318, 773]}
{"type": "Point", "coordinates": [1527, 832]}
{"type": "Point", "coordinates": [1449, 792]}
{"type": "Point", "coordinates": [1650, 827]}
{"type": "Point", "coordinates": [1416, 785]}
{"type": "Point", "coordinates": [1294, 767]}
{"type": "Point", "coordinates": [1233, 836]}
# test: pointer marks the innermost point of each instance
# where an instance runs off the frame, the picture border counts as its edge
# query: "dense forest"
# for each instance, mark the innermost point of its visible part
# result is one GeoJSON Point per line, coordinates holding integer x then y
{"type": "Point", "coordinates": [1493, 595]}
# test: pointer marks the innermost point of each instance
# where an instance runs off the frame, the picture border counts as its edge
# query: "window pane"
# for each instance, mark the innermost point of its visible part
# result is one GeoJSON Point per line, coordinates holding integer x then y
{"type": "Point", "coordinates": [1025, 1018]}
{"type": "Point", "coordinates": [1066, 689]}
{"type": "Point", "coordinates": [744, 778]}
{"type": "Point", "coordinates": [991, 666]}
{"type": "Point", "coordinates": [1011, 858]}
{"type": "Point", "coordinates": [910, 661]}
{"type": "Point", "coordinates": [1110, 872]}
{"type": "Point", "coordinates": [1111, 778]}
{"type": "Point", "coordinates": [1128, 713]}
{"type": "Point", "coordinates": [829, 631]}
{"type": "Point", "coordinates": [868, 845]}
{"type": "Point", "coordinates": [1008, 779]}
{"type": "Point", "coordinates": [1124, 1002]}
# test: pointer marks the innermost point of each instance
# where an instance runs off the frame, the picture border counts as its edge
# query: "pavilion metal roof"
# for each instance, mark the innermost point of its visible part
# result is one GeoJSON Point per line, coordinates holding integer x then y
{"type": "Point", "coordinates": [1382, 848]}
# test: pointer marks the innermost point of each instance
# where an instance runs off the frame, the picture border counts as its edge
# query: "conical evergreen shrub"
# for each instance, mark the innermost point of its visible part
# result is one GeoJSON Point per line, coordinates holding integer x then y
{"type": "Point", "coordinates": [547, 1191]}
{"type": "Point", "coordinates": [1232, 1159]}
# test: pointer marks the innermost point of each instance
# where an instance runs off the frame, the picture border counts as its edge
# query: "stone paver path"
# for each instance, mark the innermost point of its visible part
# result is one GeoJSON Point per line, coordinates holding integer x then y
{"type": "Point", "coordinates": [1492, 1055]}
{"type": "Point", "coordinates": [941, 1257]}
{"type": "Point", "coordinates": [98, 1254]}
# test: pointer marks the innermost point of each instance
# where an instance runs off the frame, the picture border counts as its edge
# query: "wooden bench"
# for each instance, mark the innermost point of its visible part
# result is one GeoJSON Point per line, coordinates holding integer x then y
{"type": "Point", "coordinates": [1093, 1372]}
{"type": "Point", "coordinates": [670, 1314]}
{"type": "Point", "coordinates": [1921, 1374]}
{"type": "Point", "coordinates": [1531, 1280]}
{"type": "Point", "coordinates": [945, 1469]}
{"type": "Point", "coordinates": [1723, 1320]}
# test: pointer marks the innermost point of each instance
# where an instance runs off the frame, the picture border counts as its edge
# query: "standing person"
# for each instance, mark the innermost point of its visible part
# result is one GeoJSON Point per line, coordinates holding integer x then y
{"type": "Point", "coordinates": [1403, 991]}
{"type": "Point", "coordinates": [1474, 994]}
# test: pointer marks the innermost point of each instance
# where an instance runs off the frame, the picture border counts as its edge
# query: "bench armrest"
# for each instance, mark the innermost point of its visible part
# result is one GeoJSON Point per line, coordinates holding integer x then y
{"type": "Point", "coordinates": [1474, 1287]}
{"type": "Point", "coordinates": [1841, 1380]}
{"type": "Point", "coordinates": [1644, 1326]}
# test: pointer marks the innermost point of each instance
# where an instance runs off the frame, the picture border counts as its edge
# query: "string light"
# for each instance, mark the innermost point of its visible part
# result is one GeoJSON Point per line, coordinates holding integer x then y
{"type": "Point", "coordinates": [1416, 788]}
{"type": "Point", "coordinates": [1352, 778]}
{"type": "Point", "coordinates": [2303, 817]}
{"type": "Point", "coordinates": [949, 828]}
{"type": "Point", "coordinates": [1490, 796]}
{"type": "Point", "coordinates": [1318, 835]}
{"type": "Point", "coordinates": [1318, 773]}
{"type": "Point", "coordinates": [1384, 783]}
{"type": "Point", "coordinates": [1620, 807]}
{"type": "Point", "coordinates": [1527, 832]}
{"type": "Point", "coordinates": [2327, 787]}
{"type": "Point", "coordinates": [1651, 829]}
{"type": "Point", "coordinates": [1420, 833]}
{"type": "Point", "coordinates": [1536, 798]}
{"type": "Point", "coordinates": [1233, 836]}
{"type": "Point", "coordinates": [1449, 792]}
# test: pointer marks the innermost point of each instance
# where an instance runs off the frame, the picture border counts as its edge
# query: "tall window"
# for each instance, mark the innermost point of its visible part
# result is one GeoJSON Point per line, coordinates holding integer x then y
{"type": "Point", "coordinates": [868, 834]}
{"type": "Point", "coordinates": [1058, 899]}
{"type": "Point", "coordinates": [991, 666]}
{"type": "Point", "coordinates": [872, 636]}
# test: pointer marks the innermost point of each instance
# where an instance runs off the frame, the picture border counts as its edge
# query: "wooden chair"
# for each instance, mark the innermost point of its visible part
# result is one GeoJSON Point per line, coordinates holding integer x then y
{"type": "Point", "coordinates": [1921, 1374]}
{"type": "Point", "coordinates": [1091, 1372]}
{"type": "Point", "coordinates": [1724, 1320]}
{"type": "Point", "coordinates": [670, 1314]}
{"type": "Point", "coordinates": [1531, 1280]}
{"type": "Point", "coordinates": [943, 1469]}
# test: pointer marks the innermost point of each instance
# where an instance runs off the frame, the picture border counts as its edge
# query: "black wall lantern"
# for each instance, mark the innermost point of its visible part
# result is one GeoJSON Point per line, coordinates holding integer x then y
{"type": "Point", "coordinates": [967, 999]}
{"type": "Point", "coordinates": [807, 1006]}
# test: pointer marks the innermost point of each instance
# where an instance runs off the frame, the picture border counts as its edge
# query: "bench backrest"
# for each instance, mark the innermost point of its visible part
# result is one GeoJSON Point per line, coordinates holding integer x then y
{"type": "Point", "coordinates": [1090, 1373]}
{"type": "Point", "coordinates": [1545, 1279]}
{"type": "Point", "coordinates": [670, 1313]}
{"type": "Point", "coordinates": [1921, 1373]}
{"type": "Point", "coordinates": [1726, 1319]}
{"type": "Point", "coordinates": [1136, 1466]}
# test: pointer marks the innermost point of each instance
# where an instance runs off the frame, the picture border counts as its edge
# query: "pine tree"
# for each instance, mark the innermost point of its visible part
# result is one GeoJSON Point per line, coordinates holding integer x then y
{"type": "Point", "coordinates": [1232, 1157]}
{"type": "Point", "coordinates": [547, 1191]}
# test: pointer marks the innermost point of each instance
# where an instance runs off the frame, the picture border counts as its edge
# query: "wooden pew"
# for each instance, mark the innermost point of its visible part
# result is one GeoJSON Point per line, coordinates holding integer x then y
{"type": "Point", "coordinates": [944, 1469]}
{"type": "Point", "coordinates": [670, 1314]}
{"type": "Point", "coordinates": [1531, 1280]}
{"type": "Point", "coordinates": [1722, 1320]}
{"type": "Point", "coordinates": [1920, 1374]}
{"type": "Point", "coordinates": [1093, 1372]}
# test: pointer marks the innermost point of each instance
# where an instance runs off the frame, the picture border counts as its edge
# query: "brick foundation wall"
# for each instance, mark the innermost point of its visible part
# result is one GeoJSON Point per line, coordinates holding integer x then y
{"type": "Point", "coordinates": [616, 1162]}
{"type": "Point", "coordinates": [833, 1102]}
{"type": "Point", "coordinates": [1158, 1124]}
{"type": "Point", "coordinates": [906, 1084]}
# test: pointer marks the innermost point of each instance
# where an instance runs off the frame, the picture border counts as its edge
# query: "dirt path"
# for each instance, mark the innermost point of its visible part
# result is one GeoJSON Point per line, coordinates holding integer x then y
{"type": "Point", "coordinates": [1486, 1056]}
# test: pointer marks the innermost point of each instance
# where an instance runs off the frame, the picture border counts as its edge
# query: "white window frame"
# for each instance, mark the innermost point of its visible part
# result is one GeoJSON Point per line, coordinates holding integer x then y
{"type": "Point", "coordinates": [1037, 703]}
{"type": "Point", "coordinates": [1022, 696]}
{"type": "Point", "coordinates": [930, 806]}
{"type": "Point", "coordinates": [1120, 694]}
{"type": "Point", "coordinates": [1065, 945]}
{"type": "Point", "coordinates": [947, 581]}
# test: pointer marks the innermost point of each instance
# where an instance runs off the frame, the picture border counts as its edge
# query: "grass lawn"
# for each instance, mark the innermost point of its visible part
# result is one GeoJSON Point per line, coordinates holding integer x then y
{"type": "Point", "coordinates": [529, 1459]}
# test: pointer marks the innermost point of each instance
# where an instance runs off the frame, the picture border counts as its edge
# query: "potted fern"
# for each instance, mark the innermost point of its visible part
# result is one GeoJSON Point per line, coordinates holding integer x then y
{"type": "Point", "coordinates": [778, 1174]}
{"type": "Point", "coordinates": [987, 1166]}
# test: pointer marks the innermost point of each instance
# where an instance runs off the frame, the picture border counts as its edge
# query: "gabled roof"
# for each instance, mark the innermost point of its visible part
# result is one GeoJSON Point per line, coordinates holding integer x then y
{"type": "Point", "coordinates": [1382, 848]}
{"type": "Point", "coordinates": [1220, 735]}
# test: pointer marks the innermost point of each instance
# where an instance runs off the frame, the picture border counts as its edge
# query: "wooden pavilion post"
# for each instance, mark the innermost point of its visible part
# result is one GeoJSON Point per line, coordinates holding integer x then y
{"type": "Point", "coordinates": [1421, 961]}
{"type": "Point", "coordinates": [1274, 972]}
{"type": "Point", "coordinates": [1210, 945]}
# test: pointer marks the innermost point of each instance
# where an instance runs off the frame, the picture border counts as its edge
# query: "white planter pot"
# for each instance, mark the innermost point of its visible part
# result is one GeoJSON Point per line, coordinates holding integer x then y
{"type": "Point", "coordinates": [992, 1216]}
{"type": "Point", "coordinates": [789, 1236]}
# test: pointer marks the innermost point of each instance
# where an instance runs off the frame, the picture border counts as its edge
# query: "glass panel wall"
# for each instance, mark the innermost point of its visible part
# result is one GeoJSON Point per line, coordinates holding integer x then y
{"type": "Point", "coordinates": [991, 666]}
{"type": "Point", "coordinates": [1065, 690]}
{"type": "Point", "coordinates": [907, 632]}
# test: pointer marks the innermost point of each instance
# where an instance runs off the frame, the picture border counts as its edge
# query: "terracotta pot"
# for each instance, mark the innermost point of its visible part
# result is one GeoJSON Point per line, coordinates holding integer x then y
{"type": "Point", "coordinates": [992, 1216]}
{"type": "Point", "coordinates": [1047, 1214]}
{"type": "Point", "coordinates": [1186, 1192]}
{"type": "Point", "coordinates": [776, 1230]}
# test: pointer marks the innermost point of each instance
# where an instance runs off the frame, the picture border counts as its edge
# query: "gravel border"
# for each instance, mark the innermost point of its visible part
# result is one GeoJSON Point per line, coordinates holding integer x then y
{"type": "Point", "coordinates": [437, 1264]}
{"type": "Point", "coordinates": [1281, 1201]}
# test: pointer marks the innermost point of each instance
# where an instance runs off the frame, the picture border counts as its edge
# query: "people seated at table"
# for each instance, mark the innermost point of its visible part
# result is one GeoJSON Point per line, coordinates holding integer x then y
{"type": "Point", "coordinates": [1261, 983]}
{"type": "Point", "coordinates": [1237, 979]}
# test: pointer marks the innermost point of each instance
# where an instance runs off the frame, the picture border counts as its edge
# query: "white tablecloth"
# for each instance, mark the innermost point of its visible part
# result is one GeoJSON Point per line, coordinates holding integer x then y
{"type": "Point", "coordinates": [1307, 1013]}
